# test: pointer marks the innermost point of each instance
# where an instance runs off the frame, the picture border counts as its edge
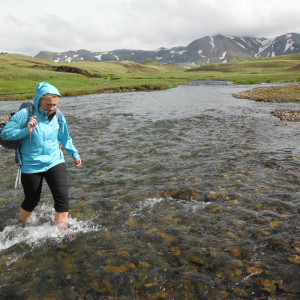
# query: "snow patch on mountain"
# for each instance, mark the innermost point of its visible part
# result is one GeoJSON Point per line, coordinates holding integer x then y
{"type": "Point", "coordinates": [253, 41]}
{"type": "Point", "coordinates": [181, 52]}
{"type": "Point", "coordinates": [116, 57]}
{"type": "Point", "coordinates": [171, 51]}
{"type": "Point", "coordinates": [288, 35]}
{"type": "Point", "coordinates": [289, 44]}
{"type": "Point", "coordinates": [57, 60]}
{"type": "Point", "coordinates": [273, 54]}
{"type": "Point", "coordinates": [81, 58]}
{"type": "Point", "coordinates": [240, 45]}
{"type": "Point", "coordinates": [158, 58]}
{"type": "Point", "coordinates": [223, 55]}
{"type": "Point", "coordinates": [230, 37]}
{"type": "Point", "coordinates": [224, 61]}
{"type": "Point", "coordinates": [75, 55]}
{"type": "Point", "coordinates": [69, 59]}
{"type": "Point", "coordinates": [246, 42]}
{"type": "Point", "coordinates": [200, 53]}
{"type": "Point", "coordinates": [265, 44]}
{"type": "Point", "coordinates": [99, 56]}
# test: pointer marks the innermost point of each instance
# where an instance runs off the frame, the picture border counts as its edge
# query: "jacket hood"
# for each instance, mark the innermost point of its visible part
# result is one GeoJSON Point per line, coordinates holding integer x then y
{"type": "Point", "coordinates": [42, 89]}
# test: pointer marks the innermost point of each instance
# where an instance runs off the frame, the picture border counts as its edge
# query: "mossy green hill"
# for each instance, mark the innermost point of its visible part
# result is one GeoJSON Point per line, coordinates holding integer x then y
{"type": "Point", "coordinates": [19, 75]}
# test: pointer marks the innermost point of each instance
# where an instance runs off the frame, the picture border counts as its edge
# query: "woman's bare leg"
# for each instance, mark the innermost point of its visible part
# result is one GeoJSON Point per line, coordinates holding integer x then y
{"type": "Point", "coordinates": [24, 215]}
{"type": "Point", "coordinates": [61, 220]}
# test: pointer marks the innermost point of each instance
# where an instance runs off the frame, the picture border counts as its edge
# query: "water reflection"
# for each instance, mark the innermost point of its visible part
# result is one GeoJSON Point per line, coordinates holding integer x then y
{"type": "Point", "coordinates": [183, 194]}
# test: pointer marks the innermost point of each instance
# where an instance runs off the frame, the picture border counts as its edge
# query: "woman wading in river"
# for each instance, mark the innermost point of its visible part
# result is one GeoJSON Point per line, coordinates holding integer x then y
{"type": "Point", "coordinates": [40, 151]}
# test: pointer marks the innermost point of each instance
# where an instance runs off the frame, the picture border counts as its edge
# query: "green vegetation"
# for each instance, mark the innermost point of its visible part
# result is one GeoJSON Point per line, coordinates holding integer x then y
{"type": "Point", "coordinates": [19, 75]}
{"type": "Point", "coordinates": [283, 68]}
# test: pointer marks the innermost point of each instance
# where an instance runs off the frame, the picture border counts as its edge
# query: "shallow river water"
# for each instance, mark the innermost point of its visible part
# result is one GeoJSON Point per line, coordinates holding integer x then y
{"type": "Point", "coordinates": [187, 193]}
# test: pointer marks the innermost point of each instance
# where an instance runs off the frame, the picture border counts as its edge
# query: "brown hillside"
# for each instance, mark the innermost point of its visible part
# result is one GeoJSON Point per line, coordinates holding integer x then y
{"type": "Point", "coordinates": [293, 69]}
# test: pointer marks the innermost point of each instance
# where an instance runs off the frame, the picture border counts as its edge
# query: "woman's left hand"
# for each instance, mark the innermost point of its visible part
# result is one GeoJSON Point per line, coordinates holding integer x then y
{"type": "Point", "coordinates": [78, 162]}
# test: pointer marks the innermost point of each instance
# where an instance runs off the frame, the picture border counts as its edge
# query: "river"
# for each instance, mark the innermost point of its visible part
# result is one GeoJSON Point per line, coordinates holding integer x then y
{"type": "Point", "coordinates": [186, 193]}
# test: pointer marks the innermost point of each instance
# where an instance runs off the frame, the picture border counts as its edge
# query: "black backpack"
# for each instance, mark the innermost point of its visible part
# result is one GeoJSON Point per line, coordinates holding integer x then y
{"type": "Point", "coordinates": [14, 144]}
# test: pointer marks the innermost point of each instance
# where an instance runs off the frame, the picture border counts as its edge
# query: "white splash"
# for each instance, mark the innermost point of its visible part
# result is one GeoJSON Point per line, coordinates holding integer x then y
{"type": "Point", "coordinates": [41, 229]}
{"type": "Point", "coordinates": [150, 203]}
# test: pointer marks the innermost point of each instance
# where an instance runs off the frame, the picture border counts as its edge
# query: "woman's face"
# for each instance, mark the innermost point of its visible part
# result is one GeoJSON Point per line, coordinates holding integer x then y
{"type": "Point", "coordinates": [48, 104]}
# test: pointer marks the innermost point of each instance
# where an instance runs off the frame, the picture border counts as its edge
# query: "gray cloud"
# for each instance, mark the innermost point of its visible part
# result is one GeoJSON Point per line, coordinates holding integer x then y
{"type": "Point", "coordinates": [136, 24]}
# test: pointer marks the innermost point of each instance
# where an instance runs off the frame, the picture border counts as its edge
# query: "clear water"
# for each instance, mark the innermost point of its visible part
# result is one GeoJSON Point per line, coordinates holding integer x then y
{"type": "Point", "coordinates": [187, 193]}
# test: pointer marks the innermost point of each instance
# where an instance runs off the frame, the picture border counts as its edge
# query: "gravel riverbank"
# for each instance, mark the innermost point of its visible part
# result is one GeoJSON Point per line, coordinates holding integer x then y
{"type": "Point", "coordinates": [276, 94]}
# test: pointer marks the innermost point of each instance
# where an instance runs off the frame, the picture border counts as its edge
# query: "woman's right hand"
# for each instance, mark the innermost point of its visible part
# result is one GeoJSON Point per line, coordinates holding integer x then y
{"type": "Point", "coordinates": [32, 124]}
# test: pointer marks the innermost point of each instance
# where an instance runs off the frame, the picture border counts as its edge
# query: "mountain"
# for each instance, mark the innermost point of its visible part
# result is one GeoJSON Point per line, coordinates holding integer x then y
{"type": "Point", "coordinates": [206, 50]}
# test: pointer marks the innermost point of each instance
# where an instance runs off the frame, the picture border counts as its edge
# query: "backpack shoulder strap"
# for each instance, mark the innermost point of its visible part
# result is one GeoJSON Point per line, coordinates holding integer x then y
{"type": "Point", "coordinates": [31, 111]}
{"type": "Point", "coordinates": [59, 118]}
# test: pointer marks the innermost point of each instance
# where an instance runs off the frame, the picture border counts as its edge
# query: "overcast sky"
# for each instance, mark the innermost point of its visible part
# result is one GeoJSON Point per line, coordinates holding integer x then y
{"type": "Point", "coordinates": [29, 26]}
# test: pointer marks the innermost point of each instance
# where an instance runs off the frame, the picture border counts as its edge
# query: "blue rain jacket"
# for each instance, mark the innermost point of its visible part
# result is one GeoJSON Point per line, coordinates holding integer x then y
{"type": "Point", "coordinates": [42, 151]}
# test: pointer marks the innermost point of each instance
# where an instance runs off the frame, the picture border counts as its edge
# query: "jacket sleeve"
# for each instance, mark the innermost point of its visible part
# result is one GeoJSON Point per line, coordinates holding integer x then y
{"type": "Point", "coordinates": [66, 140]}
{"type": "Point", "coordinates": [16, 128]}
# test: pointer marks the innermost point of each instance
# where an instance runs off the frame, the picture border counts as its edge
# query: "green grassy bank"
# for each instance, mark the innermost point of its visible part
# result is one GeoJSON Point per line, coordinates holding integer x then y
{"type": "Point", "coordinates": [19, 75]}
{"type": "Point", "coordinates": [284, 68]}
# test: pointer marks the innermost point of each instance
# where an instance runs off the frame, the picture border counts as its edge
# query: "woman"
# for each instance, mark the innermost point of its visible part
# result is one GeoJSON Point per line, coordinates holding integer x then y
{"type": "Point", "coordinates": [41, 155]}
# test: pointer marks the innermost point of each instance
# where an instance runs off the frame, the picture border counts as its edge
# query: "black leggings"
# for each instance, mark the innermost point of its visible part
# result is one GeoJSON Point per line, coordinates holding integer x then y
{"type": "Point", "coordinates": [56, 178]}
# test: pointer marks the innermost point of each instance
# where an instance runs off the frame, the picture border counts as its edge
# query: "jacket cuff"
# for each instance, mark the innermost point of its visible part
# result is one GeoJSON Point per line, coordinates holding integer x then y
{"type": "Point", "coordinates": [75, 156]}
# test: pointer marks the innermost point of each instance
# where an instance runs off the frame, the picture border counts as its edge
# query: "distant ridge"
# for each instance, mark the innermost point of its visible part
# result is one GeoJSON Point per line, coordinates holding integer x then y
{"type": "Point", "coordinates": [203, 51]}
